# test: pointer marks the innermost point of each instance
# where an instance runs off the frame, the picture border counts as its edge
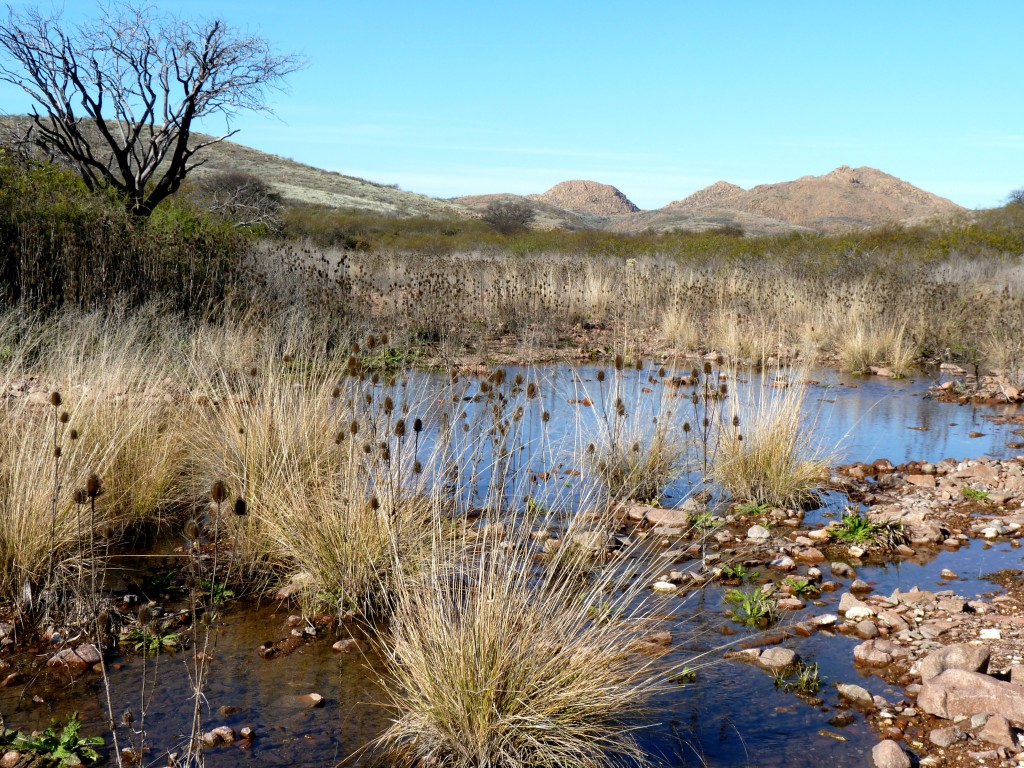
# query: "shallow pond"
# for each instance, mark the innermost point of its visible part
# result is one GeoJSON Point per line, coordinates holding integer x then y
{"type": "Point", "coordinates": [733, 715]}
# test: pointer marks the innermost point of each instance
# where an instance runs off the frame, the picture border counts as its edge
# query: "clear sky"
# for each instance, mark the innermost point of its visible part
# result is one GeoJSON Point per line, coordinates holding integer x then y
{"type": "Point", "coordinates": [656, 98]}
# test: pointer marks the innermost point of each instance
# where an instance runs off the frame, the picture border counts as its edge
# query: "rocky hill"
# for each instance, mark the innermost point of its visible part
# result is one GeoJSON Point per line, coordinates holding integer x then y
{"type": "Point", "coordinates": [846, 198]}
{"type": "Point", "coordinates": [587, 197]}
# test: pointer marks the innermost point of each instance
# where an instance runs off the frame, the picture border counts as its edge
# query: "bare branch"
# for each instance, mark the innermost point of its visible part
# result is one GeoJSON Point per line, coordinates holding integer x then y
{"type": "Point", "coordinates": [140, 79]}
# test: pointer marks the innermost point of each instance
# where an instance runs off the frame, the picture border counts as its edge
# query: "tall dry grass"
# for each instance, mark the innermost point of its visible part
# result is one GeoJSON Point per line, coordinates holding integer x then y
{"type": "Point", "coordinates": [771, 455]}
{"type": "Point", "coordinates": [494, 663]}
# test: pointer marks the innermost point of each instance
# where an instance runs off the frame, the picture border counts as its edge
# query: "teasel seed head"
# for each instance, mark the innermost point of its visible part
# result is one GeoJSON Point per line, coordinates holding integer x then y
{"type": "Point", "coordinates": [253, 371]}
{"type": "Point", "coordinates": [353, 428]}
{"type": "Point", "coordinates": [518, 380]}
{"type": "Point", "coordinates": [145, 615]}
{"type": "Point", "coordinates": [417, 467]}
{"type": "Point", "coordinates": [374, 503]}
{"type": "Point", "coordinates": [339, 438]}
{"type": "Point", "coordinates": [618, 362]}
{"type": "Point", "coordinates": [400, 428]}
{"type": "Point", "coordinates": [336, 393]}
{"type": "Point", "coordinates": [694, 373]}
{"type": "Point", "coordinates": [639, 363]}
{"type": "Point", "coordinates": [241, 507]}
{"type": "Point", "coordinates": [417, 425]}
{"type": "Point", "coordinates": [686, 426]}
{"type": "Point", "coordinates": [545, 417]}
{"type": "Point", "coordinates": [93, 486]}
{"type": "Point", "coordinates": [56, 399]}
{"type": "Point", "coordinates": [600, 375]}
{"type": "Point", "coordinates": [64, 417]}
{"type": "Point", "coordinates": [736, 420]}
{"type": "Point", "coordinates": [355, 347]}
{"type": "Point", "coordinates": [73, 434]}
{"type": "Point", "coordinates": [531, 390]}
{"type": "Point", "coordinates": [106, 532]}
{"type": "Point", "coordinates": [288, 358]}
{"type": "Point", "coordinates": [723, 389]}
{"type": "Point", "coordinates": [57, 452]}
{"type": "Point", "coordinates": [661, 372]}
{"type": "Point", "coordinates": [81, 496]}
{"type": "Point", "coordinates": [192, 530]}
{"type": "Point", "coordinates": [385, 452]}
{"type": "Point", "coordinates": [371, 341]}
{"type": "Point", "coordinates": [389, 404]}
{"type": "Point", "coordinates": [218, 491]}
{"type": "Point", "coordinates": [707, 367]}
{"type": "Point", "coordinates": [367, 448]}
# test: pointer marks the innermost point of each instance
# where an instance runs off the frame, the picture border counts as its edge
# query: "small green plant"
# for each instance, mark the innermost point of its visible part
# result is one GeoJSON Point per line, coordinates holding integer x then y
{"type": "Point", "coordinates": [754, 607]}
{"type": "Point", "coordinates": [150, 642]}
{"type": "Point", "coordinates": [752, 508]}
{"type": "Point", "coordinates": [801, 587]}
{"type": "Point", "coordinates": [683, 676]}
{"type": "Point", "coordinates": [219, 592]}
{"type": "Point", "coordinates": [604, 612]}
{"type": "Point", "coordinates": [803, 680]}
{"type": "Point", "coordinates": [735, 571]}
{"type": "Point", "coordinates": [703, 521]}
{"type": "Point", "coordinates": [66, 748]}
{"type": "Point", "coordinates": [975, 494]}
{"type": "Point", "coordinates": [534, 508]}
{"type": "Point", "coordinates": [858, 529]}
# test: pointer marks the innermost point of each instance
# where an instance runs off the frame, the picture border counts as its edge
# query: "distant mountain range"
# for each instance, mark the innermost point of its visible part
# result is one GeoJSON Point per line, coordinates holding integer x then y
{"type": "Point", "coordinates": [844, 199]}
{"type": "Point", "coordinates": [847, 198]}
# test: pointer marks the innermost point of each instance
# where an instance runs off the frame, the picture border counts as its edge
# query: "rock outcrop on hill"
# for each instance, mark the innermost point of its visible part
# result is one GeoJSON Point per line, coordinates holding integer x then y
{"type": "Point", "coordinates": [847, 198]}
{"type": "Point", "coordinates": [588, 197]}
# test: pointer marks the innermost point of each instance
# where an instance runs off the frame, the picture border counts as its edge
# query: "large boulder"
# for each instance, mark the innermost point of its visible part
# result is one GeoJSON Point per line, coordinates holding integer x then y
{"type": "Point", "coordinates": [972, 658]}
{"type": "Point", "coordinates": [958, 692]}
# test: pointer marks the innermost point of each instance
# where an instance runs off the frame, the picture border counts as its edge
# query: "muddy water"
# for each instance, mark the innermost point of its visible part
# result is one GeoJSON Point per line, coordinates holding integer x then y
{"type": "Point", "coordinates": [733, 715]}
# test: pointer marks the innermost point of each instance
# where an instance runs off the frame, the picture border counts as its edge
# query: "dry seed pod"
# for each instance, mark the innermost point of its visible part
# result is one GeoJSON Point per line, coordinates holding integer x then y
{"type": "Point", "coordinates": [56, 399]}
{"type": "Point", "coordinates": [219, 491]}
{"type": "Point", "coordinates": [241, 507]}
{"type": "Point", "coordinates": [93, 486]}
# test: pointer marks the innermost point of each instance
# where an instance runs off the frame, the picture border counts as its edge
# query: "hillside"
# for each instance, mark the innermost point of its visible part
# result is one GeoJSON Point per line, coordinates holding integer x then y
{"type": "Point", "coordinates": [300, 183]}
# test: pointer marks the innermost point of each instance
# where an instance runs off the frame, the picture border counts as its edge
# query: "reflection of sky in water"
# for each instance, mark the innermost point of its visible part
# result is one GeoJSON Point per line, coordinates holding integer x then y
{"type": "Point", "coordinates": [866, 417]}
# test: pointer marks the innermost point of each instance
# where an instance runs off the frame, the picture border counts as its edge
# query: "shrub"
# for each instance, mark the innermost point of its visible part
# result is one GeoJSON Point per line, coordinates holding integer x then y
{"type": "Point", "coordinates": [508, 216]}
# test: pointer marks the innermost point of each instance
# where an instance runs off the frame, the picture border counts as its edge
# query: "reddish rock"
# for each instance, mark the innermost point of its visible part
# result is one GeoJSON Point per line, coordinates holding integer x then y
{"type": "Point", "coordinates": [82, 656]}
{"type": "Point", "coordinates": [972, 658]}
{"type": "Point", "coordinates": [959, 692]}
{"type": "Point", "coordinates": [889, 754]}
{"type": "Point", "coordinates": [879, 652]}
{"type": "Point", "coordinates": [922, 481]}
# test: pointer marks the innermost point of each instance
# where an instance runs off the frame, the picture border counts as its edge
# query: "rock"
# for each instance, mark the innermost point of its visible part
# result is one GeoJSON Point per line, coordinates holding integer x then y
{"type": "Point", "coordinates": [972, 658]}
{"type": "Point", "coordinates": [843, 571]}
{"type": "Point", "coordinates": [347, 645]}
{"type": "Point", "coordinates": [948, 575]}
{"type": "Point", "coordinates": [997, 731]}
{"type": "Point", "coordinates": [866, 629]}
{"type": "Point", "coordinates": [849, 601]}
{"type": "Point", "coordinates": [990, 633]}
{"type": "Point", "coordinates": [980, 472]}
{"type": "Point", "coordinates": [859, 613]}
{"type": "Point", "coordinates": [225, 733]}
{"type": "Point", "coordinates": [777, 658]}
{"type": "Point", "coordinates": [878, 652]}
{"type": "Point", "coordinates": [825, 620]}
{"type": "Point", "coordinates": [783, 563]}
{"type": "Point", "coordinates": [922, 481]}
{"type": "Point", "coordinates": [944, 737]}
{"type": "Point", "coordinates": [809, 555]}
{"type": "Point", "coordinates": [296, 584]}
{"type": "Point", "coordinates": [856, 695]}
{"type": "Point", "coordinates": [82, 656]}
{"type": "Point", "coordinates": [889, 754]}
{"type": "Point", "coordinates": [758, 533]}
{"type": "Point", "coordinates": [893, 621]}
{"type": "Point", "coordinates": [663, 586]}
{"type": "Point", "coordinates": [10, 759]}
{"type": "Point", "coordinates": [860, 586]}
{"type": "Point", "coordinates": [311, 700]}
{"type": "Point", "coordinates": [668, 518]}
{"type": "Point", "coordinates": [790, 604]}
{"type": "Point", "coordinates": [856, 552]}
{"type": "Point", "coordinates": [958, 692]}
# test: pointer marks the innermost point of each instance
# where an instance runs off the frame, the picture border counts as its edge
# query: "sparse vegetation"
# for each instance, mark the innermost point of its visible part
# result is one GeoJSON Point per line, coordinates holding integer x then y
{"type": "Point", "coordinates": [752, 606]}
{"type": "Point", "coordinates": [856, 528]}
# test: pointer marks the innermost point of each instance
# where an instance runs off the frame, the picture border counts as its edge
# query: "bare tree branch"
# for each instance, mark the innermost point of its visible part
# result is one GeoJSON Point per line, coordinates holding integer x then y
{"type": "Point", "coordinates": [140, 79]}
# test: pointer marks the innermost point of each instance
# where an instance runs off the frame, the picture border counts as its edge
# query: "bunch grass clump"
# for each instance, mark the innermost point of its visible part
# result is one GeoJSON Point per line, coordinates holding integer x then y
{"type": "Point", "coordinates": [494, 663]}
{"type": "Point", "coordinates": [771, 455]}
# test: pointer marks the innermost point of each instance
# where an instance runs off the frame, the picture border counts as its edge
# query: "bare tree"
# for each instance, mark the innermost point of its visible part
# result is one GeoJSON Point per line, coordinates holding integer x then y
{"type": "Point", "coordinates": [1016, 197]}
{"type": "Point", "coordinates": [508, 216]}
{"type": "Point", "coordinates": [119, 96]}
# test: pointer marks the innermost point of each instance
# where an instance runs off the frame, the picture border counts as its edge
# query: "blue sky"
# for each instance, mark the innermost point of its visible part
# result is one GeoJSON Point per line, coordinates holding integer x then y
{"type": "Point", "coordinates": [656, 98]}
